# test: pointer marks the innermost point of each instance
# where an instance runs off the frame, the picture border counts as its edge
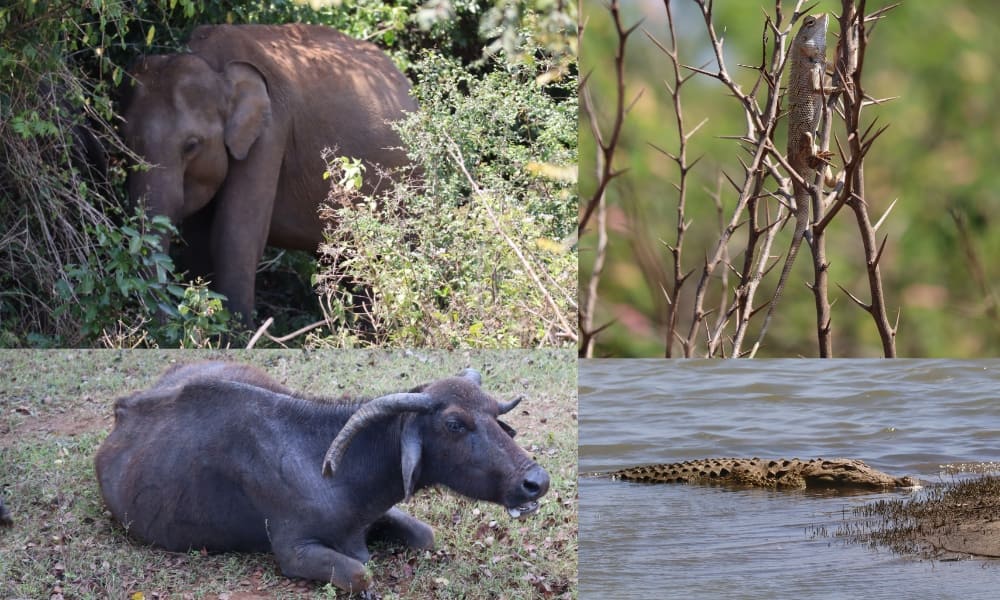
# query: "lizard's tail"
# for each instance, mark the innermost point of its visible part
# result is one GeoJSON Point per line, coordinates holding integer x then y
{"type": "Point", "coordinates": [801, 223]}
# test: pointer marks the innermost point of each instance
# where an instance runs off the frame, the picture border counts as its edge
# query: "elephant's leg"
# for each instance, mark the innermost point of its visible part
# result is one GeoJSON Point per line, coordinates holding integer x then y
{"type": "Point", "coordinates": [396, 524]}
{"type": "Point", "coordinates": [242, 219]}
{"type": "Point", "coordinates": [312, 560]}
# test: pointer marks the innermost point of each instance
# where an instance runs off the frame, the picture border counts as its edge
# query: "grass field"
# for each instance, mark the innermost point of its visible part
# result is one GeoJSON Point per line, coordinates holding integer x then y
{"type": "Point", "coordinates": [56, 408]}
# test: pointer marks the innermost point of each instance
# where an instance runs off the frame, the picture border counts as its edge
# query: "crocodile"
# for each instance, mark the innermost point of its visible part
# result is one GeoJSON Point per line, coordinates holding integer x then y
{"type": "Point", "coordinates": [818, 473]}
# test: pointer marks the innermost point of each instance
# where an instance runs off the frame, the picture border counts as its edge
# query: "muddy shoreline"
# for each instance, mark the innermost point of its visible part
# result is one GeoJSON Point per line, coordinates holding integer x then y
{"type": "Point", "coordinates": [948, 521]}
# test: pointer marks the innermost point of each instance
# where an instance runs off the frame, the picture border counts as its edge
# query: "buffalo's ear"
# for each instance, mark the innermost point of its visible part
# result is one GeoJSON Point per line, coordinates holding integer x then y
{"type": "Point", "coordinates": [472, 375]}
{"type": "Point", "coordinates": [507, 428]}
{"type": "Point", "coordinates": [249, 108]}
{"type": "Point", "coordinates": [410, 450]}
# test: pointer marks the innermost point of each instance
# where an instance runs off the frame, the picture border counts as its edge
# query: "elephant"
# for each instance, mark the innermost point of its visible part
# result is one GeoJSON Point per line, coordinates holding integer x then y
{"type": "Point", "coordinates": [235, 128]}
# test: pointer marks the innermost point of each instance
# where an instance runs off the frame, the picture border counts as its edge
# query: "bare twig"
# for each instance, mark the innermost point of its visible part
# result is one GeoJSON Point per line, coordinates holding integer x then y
{"type": "Point", "coordinates": [604, 165]}
{"type": "Point", "coordinates": [855, 35]}
{"type": "Point", "coordinates": [456, 154]}
{"type": "Point", "coordinates": [607, 146]}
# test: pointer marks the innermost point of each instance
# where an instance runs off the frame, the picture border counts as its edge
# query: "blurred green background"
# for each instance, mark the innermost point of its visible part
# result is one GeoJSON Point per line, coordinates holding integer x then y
{"type": "Point", "coordinates": [937, 158]}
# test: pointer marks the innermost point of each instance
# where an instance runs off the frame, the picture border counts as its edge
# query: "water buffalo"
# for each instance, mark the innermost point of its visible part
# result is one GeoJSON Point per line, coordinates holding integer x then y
{"type": "Point", "coordinates": [220, 457]}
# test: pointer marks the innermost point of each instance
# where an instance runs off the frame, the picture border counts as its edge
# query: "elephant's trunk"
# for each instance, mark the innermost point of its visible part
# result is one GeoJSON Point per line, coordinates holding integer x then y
{"type": "Point", "coordinates": [155, 193]}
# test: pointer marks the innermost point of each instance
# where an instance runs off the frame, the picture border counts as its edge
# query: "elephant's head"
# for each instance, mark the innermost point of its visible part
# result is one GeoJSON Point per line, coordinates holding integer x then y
{"type": "Point", "coordinates": [188, 121]}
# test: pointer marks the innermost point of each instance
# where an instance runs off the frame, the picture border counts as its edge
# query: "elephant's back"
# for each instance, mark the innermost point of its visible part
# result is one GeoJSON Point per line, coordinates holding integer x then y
{"type": "Point", "coordinates": [313, 67]}
{"type": "Point", "coordinates": [304, 52]}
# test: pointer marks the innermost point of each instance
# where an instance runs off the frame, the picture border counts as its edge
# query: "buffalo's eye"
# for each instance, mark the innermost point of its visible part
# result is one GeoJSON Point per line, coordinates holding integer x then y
{"type": "Point", "coordinates": [455, 426]}
{"type": "Point", "coordinates": [191, 145]}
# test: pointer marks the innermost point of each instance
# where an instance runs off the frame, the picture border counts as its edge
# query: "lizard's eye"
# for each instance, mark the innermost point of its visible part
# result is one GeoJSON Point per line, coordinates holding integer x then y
{"type": "Point", "coordinates": [809, 21]}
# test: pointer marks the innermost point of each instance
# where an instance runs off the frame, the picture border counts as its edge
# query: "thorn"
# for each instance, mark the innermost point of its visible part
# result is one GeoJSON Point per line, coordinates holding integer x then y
{"type": "Point", "coordinates": [664, 152]}
{"type": "Point", "coordinates": [632, 29]}
{"type": "Point", "coordinates": [866, 307]}
{"type": "Point", "coordinates": [797, 15]}
{"type": "Point", "coordinates": [754, 311]}
{"type": "Point", "coordinates": [878, 14]}
{"type": "Point", "coordinates": [881, 248]}
{"type": "Point", "coordinates": [877, 101]}
{"type": "Point", "coordinates": [736, 187]}
{"type": "Point", "coordinates": [666, 296]}
{"type": "Point", "coordinates": [715, 75]}
{"type": "Point", "coordinates": [603, 327]}
{"type": "Point", "coordinates": [631, 105]}
{"type": "Point", "coordinates": [696, 128]}
{"type": "Point", "coordinates": [885, 215]}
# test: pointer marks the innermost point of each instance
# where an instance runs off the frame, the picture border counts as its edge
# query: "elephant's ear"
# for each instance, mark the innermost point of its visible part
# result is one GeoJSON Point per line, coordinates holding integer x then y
{"type": "Point", "coordinates": [249, 108]}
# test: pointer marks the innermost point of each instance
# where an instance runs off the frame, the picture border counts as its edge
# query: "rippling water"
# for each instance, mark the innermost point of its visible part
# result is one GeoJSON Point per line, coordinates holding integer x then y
{"type": "Point", "coordinates": [922, 418]}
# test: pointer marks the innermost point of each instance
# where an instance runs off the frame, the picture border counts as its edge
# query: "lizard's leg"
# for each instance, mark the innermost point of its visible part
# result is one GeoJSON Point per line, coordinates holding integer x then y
{"type": "Point", "coordinates": [817, 160]}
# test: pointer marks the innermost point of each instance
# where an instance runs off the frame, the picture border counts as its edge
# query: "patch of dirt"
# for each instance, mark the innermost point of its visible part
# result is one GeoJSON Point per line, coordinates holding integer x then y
{"type": "Point", "coordinates": [59, 424]}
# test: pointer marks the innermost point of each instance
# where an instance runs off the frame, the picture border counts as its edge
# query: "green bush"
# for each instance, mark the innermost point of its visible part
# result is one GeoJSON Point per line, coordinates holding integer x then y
{"type": "Point", "coordinates": [126, 293]}
{"type": "Point", "coordinates": [478, 252]}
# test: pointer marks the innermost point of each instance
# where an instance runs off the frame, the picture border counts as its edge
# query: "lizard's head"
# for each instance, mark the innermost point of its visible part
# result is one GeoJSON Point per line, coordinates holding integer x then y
{"type": "Point", "coordinates": [811, 38]}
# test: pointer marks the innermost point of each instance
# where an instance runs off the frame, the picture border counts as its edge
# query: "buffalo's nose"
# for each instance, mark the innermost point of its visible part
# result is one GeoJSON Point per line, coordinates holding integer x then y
{"type": "Point", "coordinates": [535, 483]}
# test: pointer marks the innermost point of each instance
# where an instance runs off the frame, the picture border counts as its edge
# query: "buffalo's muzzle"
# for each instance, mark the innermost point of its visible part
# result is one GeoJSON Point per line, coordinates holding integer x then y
{"type": "Point", "coordinates": [533, 486]}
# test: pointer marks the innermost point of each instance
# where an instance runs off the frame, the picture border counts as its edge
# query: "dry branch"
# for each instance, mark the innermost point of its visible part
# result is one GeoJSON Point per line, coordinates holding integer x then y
{"type": "Point", "coordinates": [758, 202]}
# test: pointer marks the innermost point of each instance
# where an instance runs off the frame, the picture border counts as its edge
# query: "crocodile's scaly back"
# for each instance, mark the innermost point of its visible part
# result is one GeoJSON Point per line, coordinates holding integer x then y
{"type": "Point", "coordinates": [758, 472]}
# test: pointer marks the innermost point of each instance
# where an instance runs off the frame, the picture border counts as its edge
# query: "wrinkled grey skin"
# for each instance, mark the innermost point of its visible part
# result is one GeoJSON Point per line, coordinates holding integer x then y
{"type": "Point", "coordinates": [216, 456]}
{"type": "Point", "coordinates": [235, 129]}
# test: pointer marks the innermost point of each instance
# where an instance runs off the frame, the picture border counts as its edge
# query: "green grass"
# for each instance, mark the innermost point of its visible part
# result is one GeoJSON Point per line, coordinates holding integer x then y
{"type": "Point", "coordinates": [56, 408]}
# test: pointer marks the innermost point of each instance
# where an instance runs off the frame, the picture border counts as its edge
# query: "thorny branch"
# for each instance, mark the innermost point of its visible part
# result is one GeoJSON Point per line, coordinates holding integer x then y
{"type": "Point", "coordinates": [565, 329]}
{"type": "Point", "coordinates": [763, 191]}
{"type": "Point", "coordinates": [605, 173]}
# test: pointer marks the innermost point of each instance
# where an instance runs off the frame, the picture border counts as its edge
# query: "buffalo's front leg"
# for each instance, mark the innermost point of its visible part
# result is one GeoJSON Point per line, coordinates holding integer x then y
{"type": "Point", "coordinates": [396, 524]}
{"type": "Point", "coordinates": [312, 560]}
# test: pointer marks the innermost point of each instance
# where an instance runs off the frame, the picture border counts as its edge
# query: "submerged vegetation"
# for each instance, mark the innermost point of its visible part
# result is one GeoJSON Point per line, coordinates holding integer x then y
{"type": "Point", "coordinates": [946, 521]}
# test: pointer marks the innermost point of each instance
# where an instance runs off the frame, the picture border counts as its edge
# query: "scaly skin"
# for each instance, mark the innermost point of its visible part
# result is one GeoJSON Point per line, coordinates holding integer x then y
{"type": "Point", "coordinates": [835, 473]}
{"type": "Point", "coordinates": [805, 99]}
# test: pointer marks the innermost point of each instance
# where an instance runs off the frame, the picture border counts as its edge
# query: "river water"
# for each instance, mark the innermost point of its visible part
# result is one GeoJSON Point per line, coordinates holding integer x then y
{"type": "Point", "coordinates": [681, 541]}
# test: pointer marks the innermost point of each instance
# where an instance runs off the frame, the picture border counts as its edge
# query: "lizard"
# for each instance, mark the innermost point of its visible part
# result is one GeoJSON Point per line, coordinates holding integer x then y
{"type": "Point", "coordinates": [807, 58]}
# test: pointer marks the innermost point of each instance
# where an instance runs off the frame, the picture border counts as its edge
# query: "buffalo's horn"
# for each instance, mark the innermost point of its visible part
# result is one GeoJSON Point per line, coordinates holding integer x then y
{"type": "Point", "coordinates": [472, 375]}
{"type": "Point", "coordinates": [370, 411]}
{"type": "Point", "coordinates": [506, 407]}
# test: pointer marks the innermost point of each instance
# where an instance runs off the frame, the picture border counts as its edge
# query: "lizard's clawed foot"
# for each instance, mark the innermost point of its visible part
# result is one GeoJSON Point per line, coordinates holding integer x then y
{"type": "Point", "coordinates": [820, 158]}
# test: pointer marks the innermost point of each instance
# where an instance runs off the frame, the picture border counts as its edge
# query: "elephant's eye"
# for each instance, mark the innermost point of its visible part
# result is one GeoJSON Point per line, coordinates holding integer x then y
{"type": "Point", "coordinates": [191, 145]}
